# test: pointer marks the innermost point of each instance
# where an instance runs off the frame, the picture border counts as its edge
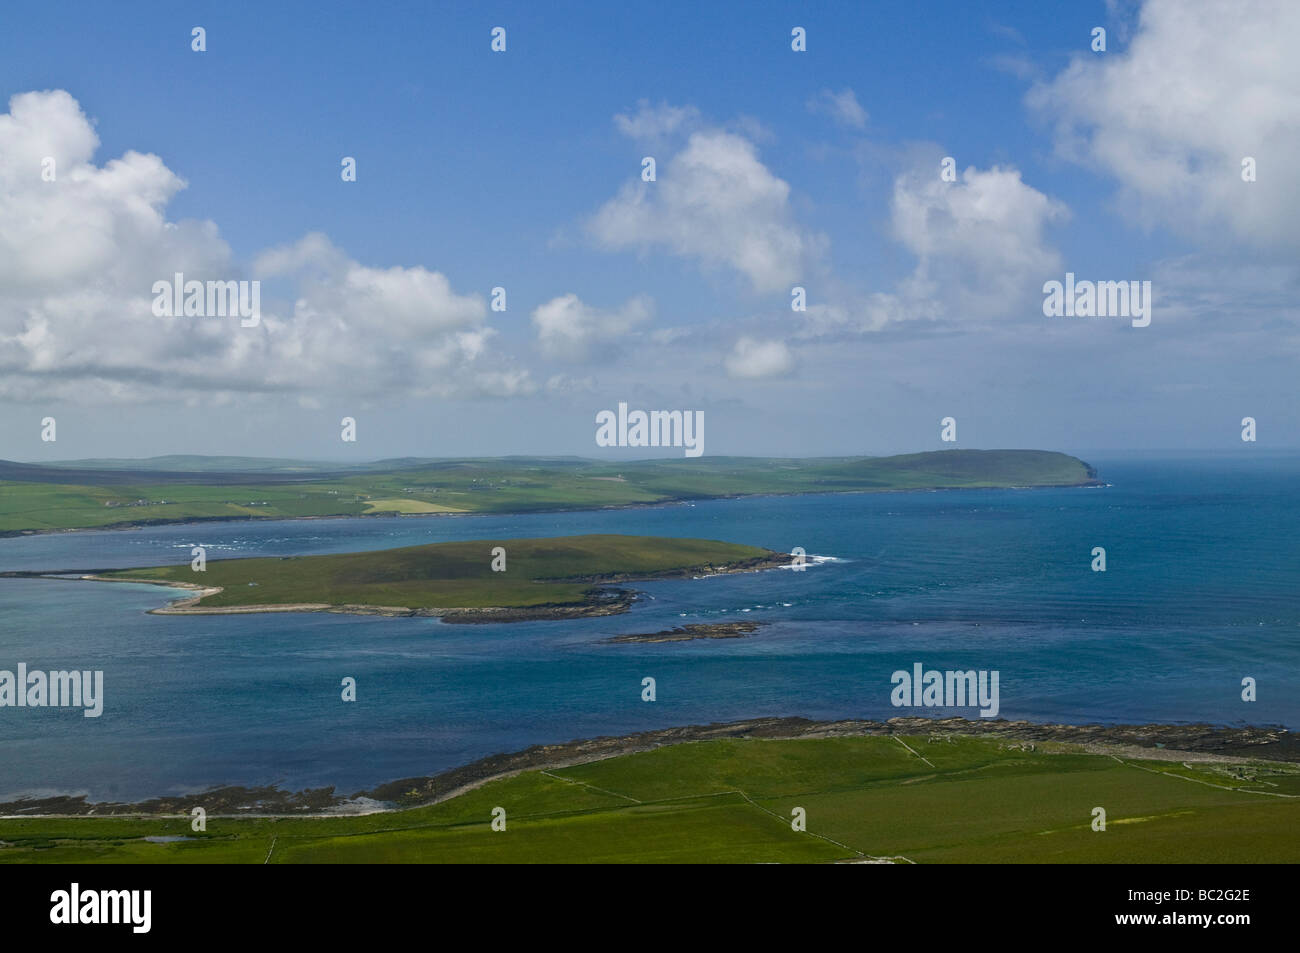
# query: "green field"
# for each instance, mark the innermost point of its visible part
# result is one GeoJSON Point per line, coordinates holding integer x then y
{"type": "Point", "coordinates": [971, 800]}
{"type": "Point", "coordinates": [538, 572]}
{"type": "Point", "coordinates": [106, 493]}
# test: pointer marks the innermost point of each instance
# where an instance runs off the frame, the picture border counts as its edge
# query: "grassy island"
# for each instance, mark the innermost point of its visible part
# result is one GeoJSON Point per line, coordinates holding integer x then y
{"type": "Point", "coordinates": [559, 577]}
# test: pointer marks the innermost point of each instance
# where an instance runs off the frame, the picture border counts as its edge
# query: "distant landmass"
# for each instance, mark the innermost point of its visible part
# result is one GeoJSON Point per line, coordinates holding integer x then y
{"type": "Point", "coordinates": [88, 494]}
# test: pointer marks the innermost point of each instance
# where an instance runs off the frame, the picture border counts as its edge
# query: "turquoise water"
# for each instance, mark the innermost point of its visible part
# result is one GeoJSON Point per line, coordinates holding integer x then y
{"type": "Point", "coordinates": [1200, 591]}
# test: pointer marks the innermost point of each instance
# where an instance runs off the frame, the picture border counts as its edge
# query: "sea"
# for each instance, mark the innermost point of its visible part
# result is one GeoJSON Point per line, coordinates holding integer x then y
{"type": "Point", "coordinates": [1201, 591]}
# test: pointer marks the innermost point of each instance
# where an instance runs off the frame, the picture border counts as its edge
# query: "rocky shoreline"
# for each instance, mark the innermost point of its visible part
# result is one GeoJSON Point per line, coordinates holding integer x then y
{"type": "Point", "coordinates": [1181, 742]}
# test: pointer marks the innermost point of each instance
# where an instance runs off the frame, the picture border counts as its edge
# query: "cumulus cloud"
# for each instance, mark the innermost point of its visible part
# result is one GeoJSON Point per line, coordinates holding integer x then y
{"type": "Point", "coordinates": [570, 330]}
{"type": "Point", "coordinates": [1201, 85]}
{"type": "Point", "coordinates": [79, 256]}
{"type": "Point", "coordinates": [751, 358]}
{"type": "Point", "coordinates": [88, 221]}
{"type": "Point", "coordinates": [403, 326]}
{"type": "Point", "coordinates": [843, 107]}
{"type": "Point", "coordinates": [980, 242]}
{"type": "Point", "coordinates": [981, 252]}
{"type": "Point", "coordinates": [717, 203]}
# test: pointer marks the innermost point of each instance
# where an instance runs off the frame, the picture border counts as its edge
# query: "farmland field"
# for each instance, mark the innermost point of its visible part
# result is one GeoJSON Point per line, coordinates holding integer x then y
{"type": "Point", "coordinates": [889, 798]}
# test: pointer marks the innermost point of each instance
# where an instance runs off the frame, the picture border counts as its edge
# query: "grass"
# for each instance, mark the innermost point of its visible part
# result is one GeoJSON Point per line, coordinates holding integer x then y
{"type": "Point", "coordinates": [539, 572]}
{"type": "Point", "coordinates": [37, 498]}
{"type": "Point", "coordinates": [730, 801]}
{"type": "Point", "coordinates": [408, 506]}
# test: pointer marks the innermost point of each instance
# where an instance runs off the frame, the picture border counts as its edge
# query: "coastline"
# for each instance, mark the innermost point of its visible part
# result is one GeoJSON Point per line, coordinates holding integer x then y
{"type": "Point", "coordinates": [675, 501]}
{"type": "Point", "coordinates": [604, 598]}
{"type": "Point", "coordinates": [1196, 742]}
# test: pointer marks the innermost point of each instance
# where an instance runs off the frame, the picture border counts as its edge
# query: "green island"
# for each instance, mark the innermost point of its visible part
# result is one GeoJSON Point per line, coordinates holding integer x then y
{"type": "Point", "coordinates": [559, 577]}
{"type": "Point", "coordinates": [89, 494]}
{"type": "Point", "coordinates": [951, 792]}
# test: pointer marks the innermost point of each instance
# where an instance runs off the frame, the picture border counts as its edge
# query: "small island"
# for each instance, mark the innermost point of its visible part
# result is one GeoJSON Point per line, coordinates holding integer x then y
{"type": "Point", "coordinates": [687, 633]}
{"type": "Point", "coordinates": [552, 578]}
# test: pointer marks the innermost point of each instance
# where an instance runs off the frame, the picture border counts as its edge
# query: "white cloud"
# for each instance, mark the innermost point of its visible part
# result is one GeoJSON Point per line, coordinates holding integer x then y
{"type": "Point", "coordinates": [404, 305]}
{"type": "Point", "coordinates": [509, 382]}
{"type": "Point", "coordinates": [979, 241]}
{"type": "Point", "coordinates": [1202, 84]}
{"type": "Point", "coordinates": [569, 330]}
{"type": "Point", "coordinates": [393, 327]}
{"type": "Point", "coordinates": [656, 123]}
{"type": "Point", "coordinates": [752, 358]}
{"type": "Point", "coordinates": [981, 255]}
{"type": "Point", "coordinates": [79, 257]}
{"type": "Point", "coordinates": [89, 221]}
{"type": "Point", "coordinates": [715, 202]}
{"type": "Point", "coordinates": [843, 107]}
{"type": "Point", "coordinates": [859, 314]}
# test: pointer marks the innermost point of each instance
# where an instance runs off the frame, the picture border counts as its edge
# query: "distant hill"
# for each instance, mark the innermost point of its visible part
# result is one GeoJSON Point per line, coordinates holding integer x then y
{"type": "Point", "coordinates": [196, 463]}
{"type": "Point", "coordinates": [108, 493]}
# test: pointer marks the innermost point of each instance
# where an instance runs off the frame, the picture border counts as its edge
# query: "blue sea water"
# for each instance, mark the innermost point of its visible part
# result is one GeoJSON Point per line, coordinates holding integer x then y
{"type": "Point", "coordinates": [1200, 591]}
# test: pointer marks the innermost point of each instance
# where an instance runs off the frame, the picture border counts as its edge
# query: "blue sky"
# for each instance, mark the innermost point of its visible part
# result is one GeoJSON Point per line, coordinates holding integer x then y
{"type": "Point", "coordinates": [775, 168]}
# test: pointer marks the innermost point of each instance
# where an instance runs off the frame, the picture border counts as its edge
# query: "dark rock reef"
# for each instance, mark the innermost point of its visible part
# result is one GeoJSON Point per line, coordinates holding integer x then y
{"type": "Point", "coordinates": [685, 633]}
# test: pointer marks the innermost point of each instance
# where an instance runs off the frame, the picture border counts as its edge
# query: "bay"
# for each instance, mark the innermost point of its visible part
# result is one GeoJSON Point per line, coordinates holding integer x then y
{"type": "Point", "coordinates": [1201, 589]}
